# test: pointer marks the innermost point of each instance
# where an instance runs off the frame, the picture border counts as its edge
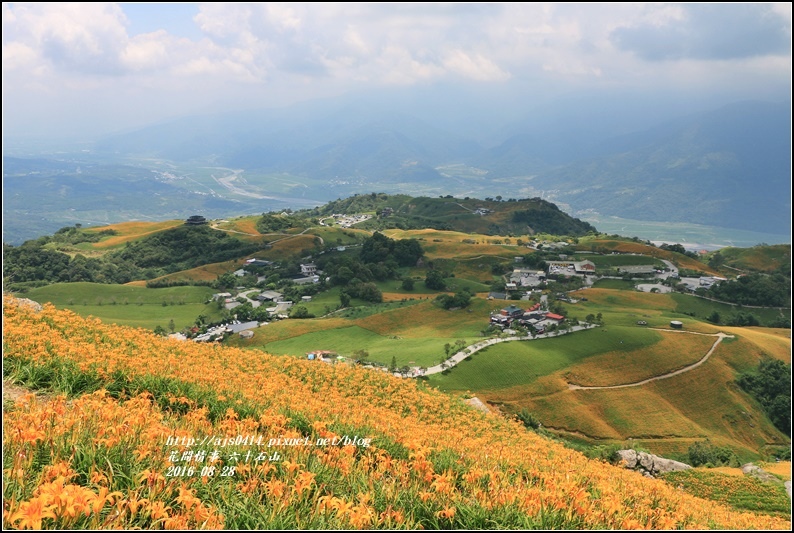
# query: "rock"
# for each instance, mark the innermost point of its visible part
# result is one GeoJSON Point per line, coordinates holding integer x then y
{"type": "Point", "coordinates": [629, 458]}
{"type": "Point", "coordinates": [27, 302]}
{"type": "Point", "coordinates": [650, 465]}
{"type": "Point", "coordinates": [646, 461]}
{"type": "Point", "coordinates": [757, 472]}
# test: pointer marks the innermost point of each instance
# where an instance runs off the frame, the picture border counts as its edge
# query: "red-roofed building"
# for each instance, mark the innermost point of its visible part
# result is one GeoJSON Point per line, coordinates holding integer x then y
{"type": "Point", "coordinates": [556, 318]}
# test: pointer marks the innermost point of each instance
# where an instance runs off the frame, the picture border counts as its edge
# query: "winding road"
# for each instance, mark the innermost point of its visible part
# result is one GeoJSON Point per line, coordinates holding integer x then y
{"type": "Point", "coordinates": [719, 336]}
{"type": "Point", "coordinates": [476, 347]}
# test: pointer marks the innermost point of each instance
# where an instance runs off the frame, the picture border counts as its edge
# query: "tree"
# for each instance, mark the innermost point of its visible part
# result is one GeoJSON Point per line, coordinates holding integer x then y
{"type": "Point", "coordinates": [301, 312]}
{"type": "Point", "coordinates": [344, 299]}
{"type": "Point", "coordinates": [171, 326]}
{"type": "Point", "coordinates": [360, 356]}
{"type": "Point", "coordinates": [408, 284]}
{"type": "Point", "coordinates": [393, 364]}
{"type": "Point", "coordinates": [434, 280]}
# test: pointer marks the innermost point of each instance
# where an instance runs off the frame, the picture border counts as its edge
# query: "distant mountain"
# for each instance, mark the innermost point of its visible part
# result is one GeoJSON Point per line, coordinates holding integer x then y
{"type": "Point", "coordinates": [729, 167]}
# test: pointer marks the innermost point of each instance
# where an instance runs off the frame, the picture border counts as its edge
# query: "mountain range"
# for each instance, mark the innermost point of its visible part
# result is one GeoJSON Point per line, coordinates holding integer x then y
{"type": "Point", "coordinates": [728, 167]}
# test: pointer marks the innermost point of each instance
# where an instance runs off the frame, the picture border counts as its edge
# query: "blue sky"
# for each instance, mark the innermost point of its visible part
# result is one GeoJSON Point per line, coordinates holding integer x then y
{"type": "Point", "coordinates": [84, 69]}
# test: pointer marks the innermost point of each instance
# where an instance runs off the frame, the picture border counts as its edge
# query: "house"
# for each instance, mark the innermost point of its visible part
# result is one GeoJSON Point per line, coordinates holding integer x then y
{"type": "Point", "coordinates": [308, 269]}
{"type": "Point", "coordinates": [306, 299]}
{"type": "Point", "coordinates": [240, 273]}
{"type": "Point", "coordinates": [386, 212]}
{"type": "Point", "coordinates": [307, 280]}
{"type": "Point", "coordinates": [247, 334]}
{"type": "Point", "coordinates": [237, 328]}
{"type": "Point", "coordinates": [269, 296]}
{"type": "Point", "coordinates": [554, 317]}
{"type": "Point", "coordinates": [258, 262]}
{"type": "Point", "coordinates": [512, 311]}
{"type": "Point", "coordinates": [510, 286]}
{"type": "Point", "coordinates": [279, 308]}
{"type": "Point", "coordinates": [221, 295]}
{"type": "Point", "coordinates": [584, 267]}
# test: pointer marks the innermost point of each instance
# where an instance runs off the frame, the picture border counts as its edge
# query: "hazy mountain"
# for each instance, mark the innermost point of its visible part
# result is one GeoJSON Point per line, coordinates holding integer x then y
{"type": "Point", "coordinates": [627, 157]}
{"type": "Point", "coordinates": [730, 167]}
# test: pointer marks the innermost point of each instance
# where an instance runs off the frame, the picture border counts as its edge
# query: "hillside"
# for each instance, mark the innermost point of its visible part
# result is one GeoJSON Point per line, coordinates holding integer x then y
{"type": "Point", "coordinates": [470, 215]}
{"type": "Point", "coordinates": [414, 459]}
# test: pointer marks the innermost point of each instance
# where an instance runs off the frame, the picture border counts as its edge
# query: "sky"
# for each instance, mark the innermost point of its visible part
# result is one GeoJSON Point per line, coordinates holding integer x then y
{"type": "Point", "coordinates": [86, 69]}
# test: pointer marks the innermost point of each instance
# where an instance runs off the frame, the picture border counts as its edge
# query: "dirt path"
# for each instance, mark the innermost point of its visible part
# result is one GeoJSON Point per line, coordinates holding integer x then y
{"type": "Point", "coordinates": [719, 336]}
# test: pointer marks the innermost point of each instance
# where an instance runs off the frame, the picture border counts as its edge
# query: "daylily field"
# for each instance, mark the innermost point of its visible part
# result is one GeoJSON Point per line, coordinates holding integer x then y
{"type": "Point", "coordinates": [129, 430]}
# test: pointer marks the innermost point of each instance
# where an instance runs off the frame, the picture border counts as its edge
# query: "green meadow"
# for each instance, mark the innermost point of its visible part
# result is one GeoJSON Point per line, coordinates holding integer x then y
{"type": "Point", "coordinates": [345, 341]}
{"type": "Point", "coordinates": [130, 306]}
{"type": "Point", "coordinates": [702, 308]}
{"type": "Point", "coordinates": [523, 362]}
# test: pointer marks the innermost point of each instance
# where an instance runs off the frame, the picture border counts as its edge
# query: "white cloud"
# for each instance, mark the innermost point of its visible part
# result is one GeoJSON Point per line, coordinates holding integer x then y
{"type": "Point", "coordinates": [277, 52]}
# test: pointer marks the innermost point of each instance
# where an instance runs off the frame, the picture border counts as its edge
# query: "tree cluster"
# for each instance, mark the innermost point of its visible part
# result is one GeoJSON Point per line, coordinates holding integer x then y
{"type": "Point", "coordinates": [754, 289]}
{"type": "Point", "coordinates": [462, 298]}
{"type": "Point", "coordinates": [770, 385]}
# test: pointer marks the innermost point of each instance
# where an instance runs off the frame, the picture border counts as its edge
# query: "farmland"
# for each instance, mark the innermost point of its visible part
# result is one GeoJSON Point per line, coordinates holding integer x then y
{"type": "Point", "coordinates": [422, 467]}
{"type": "Point", "coordinates": [130, 305]}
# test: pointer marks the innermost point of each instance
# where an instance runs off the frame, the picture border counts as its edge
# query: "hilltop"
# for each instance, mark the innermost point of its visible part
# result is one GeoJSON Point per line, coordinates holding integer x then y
{"type": "Point", "coordinates": [336, 446]}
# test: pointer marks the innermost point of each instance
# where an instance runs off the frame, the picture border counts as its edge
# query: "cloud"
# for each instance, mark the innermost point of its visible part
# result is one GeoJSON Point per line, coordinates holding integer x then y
{"type": "Point", "coordinates": [709, 32]}
{"type": "Point", "coordinates": [78, 37]}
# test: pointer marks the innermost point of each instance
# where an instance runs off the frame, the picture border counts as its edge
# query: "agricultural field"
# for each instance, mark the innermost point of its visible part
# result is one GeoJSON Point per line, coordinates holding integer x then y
{"type": "Point", "coordinates": [702, 308]}
{"type": "Point", "coordinates": [127, 232]}
{"type": "Point", "coordinates": [244, 225]}
{"type": "Point", "coordinates": [413, 458]}
{"type": "Point", "coordinates": [666, 416]}
{"type": "Point", "coordinates": [757, 258]}
{"type": "Point", "coordinates": [412, 332]}
{"type": "Point", "coordinates": [613, 261]}
{"type": "Point", "coordinates": [129, 305]}
{"type": "Point", "coordinates": [743, 493]}
{"type": "Point", "coordinates": [630, 247]}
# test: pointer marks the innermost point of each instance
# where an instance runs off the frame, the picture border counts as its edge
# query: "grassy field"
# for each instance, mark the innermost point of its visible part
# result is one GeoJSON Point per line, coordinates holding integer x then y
{"type": "Point", "coordinates": [672, 352]}
{"type": "Point", "coordinates": [345, 341]}
{"type": "Point", "coordinates": [614, 284]}
{"type": "Point", "coordinates": [128, 305]}
{"type": "Point", "coordinates": [703, 308]}
{"type": "Point", "coordinates": [413, 332]}
{"type": "Point", "coordinates": [631, 247]}
{"type": "Point", "coordinates": [130, 231]}
{"type": "Point", "coordinates": [760, 258]}
{"type": "Point", "coordinates": [610, 261]}
{"type": "Point", "coordinates": [666, 416]}
{"type": "Point", "coordinates": [521, 363]}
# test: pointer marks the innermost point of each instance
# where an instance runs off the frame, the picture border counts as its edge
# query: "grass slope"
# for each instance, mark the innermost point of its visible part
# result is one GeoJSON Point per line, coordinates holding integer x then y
{"type": "Point", "coordinates": [431, 462]}
{"type": "Point", "coordinates": [134, 306]}
{"type": "Point", "coordinates": [667, 415]}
